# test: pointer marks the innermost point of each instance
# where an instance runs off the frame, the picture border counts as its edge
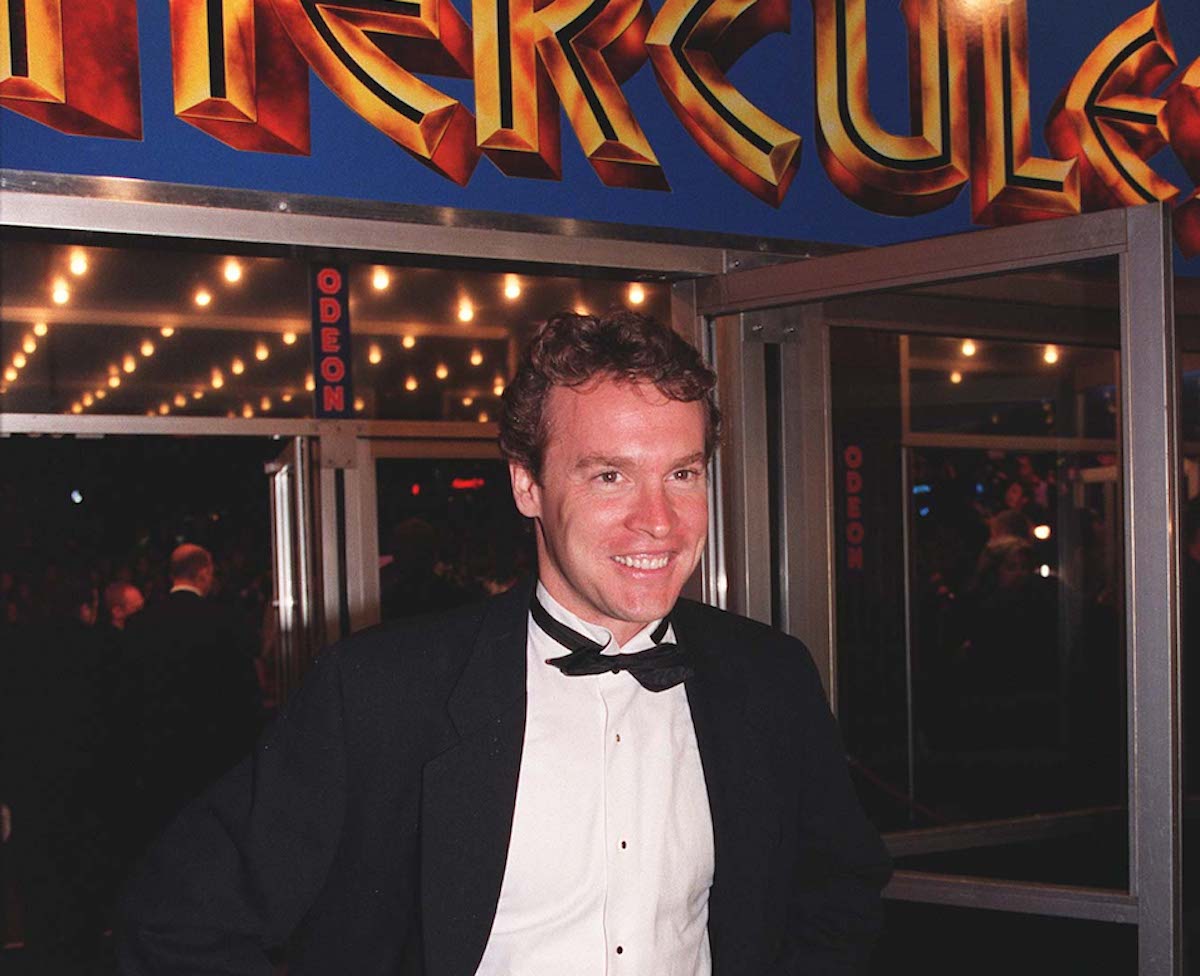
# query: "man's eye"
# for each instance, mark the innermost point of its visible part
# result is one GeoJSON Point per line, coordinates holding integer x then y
{"type": "Point", "coordinates": [686, 474]}
{"type": "Point", "coordinates": [609, 477]}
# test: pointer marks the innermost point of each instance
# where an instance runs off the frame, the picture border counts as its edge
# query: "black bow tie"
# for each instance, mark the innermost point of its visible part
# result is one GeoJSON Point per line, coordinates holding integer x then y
{"type": "Point", "coordinates": [658, 668]}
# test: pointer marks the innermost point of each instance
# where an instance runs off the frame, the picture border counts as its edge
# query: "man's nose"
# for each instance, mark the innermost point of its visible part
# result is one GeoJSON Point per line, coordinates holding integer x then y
{"type": "Point", "coordinates": [653, 512]}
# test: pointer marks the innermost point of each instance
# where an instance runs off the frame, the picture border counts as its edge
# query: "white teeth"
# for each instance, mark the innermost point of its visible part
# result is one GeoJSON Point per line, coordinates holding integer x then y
{"type": "Point", "coordinates": [643, 562]}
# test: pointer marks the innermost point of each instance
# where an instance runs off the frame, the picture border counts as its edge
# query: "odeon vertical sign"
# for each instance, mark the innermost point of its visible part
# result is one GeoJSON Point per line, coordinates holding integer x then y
{"type": "Point", "coordinates": [240, 74]}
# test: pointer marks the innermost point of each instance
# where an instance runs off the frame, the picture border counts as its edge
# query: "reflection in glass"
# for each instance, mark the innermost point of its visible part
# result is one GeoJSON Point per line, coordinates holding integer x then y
{"type": "Point", "coordinates": [448, 534]}
{"type": "Point", "coordinates": [979, 590]}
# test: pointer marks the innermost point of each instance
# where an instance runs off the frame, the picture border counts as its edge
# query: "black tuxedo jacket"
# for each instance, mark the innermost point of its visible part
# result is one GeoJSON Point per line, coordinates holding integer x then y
{"type": "Point", "coordinates": [369, 829]}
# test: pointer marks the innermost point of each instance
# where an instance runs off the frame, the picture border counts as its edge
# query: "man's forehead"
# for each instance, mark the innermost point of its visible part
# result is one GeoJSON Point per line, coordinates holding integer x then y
{"type": "Point", "coordinates": [616, 418]}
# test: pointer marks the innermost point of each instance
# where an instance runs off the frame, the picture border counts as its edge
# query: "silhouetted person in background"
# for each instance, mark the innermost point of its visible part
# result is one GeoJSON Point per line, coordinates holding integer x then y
{"type": "Point", "coordinates": [197, 694]}
{"type": "Point", "coordinates": [122, 601]}
{"type": "Point", "coordinates": [408, 580]}
{"type": "Point", "coordinates": [56, 754]}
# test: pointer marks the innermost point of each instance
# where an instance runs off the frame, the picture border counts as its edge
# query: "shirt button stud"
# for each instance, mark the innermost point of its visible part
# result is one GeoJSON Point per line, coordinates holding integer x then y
{"type": "Point", "coordinates": [620, 949]}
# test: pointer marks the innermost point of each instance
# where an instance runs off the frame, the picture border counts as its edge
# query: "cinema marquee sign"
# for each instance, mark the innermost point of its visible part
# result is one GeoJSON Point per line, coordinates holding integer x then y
{"type": "Point", "coordinates": [240, 70]}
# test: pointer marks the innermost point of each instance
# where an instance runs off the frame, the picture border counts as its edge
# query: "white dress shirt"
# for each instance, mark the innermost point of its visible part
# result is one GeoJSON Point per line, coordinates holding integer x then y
{"type": "Point", "coordinates": [611, 854]}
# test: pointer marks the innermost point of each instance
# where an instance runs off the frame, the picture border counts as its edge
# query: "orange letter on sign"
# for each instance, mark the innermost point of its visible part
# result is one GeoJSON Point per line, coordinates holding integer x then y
{"type": "Point", "coordinates": [237, 75]}
{"type": "Point", "coordinates": [1008, 183]}
{"type": "Point", "coordinates": [1108, 119]}
{"type": "Point", "coordinates": [528, 56]}
{"type": "Point", "coordinates": [517, 110]}
{"type": "Point", "coordinates": [73, 65]}
{"type": "Point", "coordinates": [692, 43]}
{"type": "Point", "coordinates": [903, 175]}
{"type": "Point", "coordinates": [1183, 132]}
{"type": "Point", "coordinates": [367, 52]}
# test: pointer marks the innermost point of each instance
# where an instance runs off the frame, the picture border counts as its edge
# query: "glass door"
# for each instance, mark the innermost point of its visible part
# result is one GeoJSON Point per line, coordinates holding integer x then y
{"type": "Point", "coordinates": [952, 471]}
{"type": "Point", "coordinates": [296, 624]}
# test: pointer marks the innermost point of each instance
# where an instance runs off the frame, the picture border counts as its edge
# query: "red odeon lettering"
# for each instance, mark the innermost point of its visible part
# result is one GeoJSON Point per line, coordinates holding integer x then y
{"type": "Point", "coordinates": [333, 370]}
{"type": "Point", "coordinates": [329, 281]}
{"type": "Point", "coordinates": [856, 532]}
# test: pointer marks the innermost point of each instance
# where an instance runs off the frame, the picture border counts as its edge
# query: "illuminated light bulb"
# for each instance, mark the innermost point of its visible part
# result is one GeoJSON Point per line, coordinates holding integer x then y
{"type": "Point", "coordinates": [1050, 355]}
{"type": "Point", "coordinates": [29, 345]}
{"type": "Point", "coordinates": [166, 332]}
{"type": "Point", "coordinates": [232, 271]}
{"type": "Point", "coordinates": [956, 377]}
{"type": "Point", "coordinates": [60, 294]}
{"type": "Point", "coordinates": [411, 384]}
{"type": "Point", "coordinates": [380, 279]}
{"type": "Point", "coordinates": [197, 394]}
{"type": "Point", "coordinates": [11, 374]}
{"type": "Point", "coordinates": [40, 329]}
{"type": "Point", "coordinates": [1044, 571]}
{"type": "Point", "coordinates": [1041, 532]}
{"type": "Point", "coordinates": [150, 412]}
{"type": "Point", "coordinates": [88, 399]}
{"type": "Point", "coordinates": [237, 367]}
{"type": "Point", "coordinates": [498, 389]}
{"type": "Point", "coordinates": [467, 401]}
{"type": "Point", "coordinates": [512, 287]}
{"type": "Point", "coordinates": [289, 338]}
{"type": "Point", "coordinates": [483, 417]}
{"type": "Point", "coordinates": [359, 404]}
{"type": "Point", "coordinates": [202, 298]}
{"type": "Point", "coordinates": [374, 355]}
{"type": "Point", "coordinates": [441, 372]}
{"type": "Point", "coordinates": [164, 408]}
{"type": "Point", "coordinates": [476, 357]}
{"type": "Point", "coordinates": [230, 414]}
{"type": "Point", "coordinates": [637, 294]}
{"type": "Point", "coordinates": [19, 360]}
{"type": "Point", "coordinates": [180, 400]}
{"type": "Point", "coordinates": [309, 383]}
{"type": "Point", "coordinates": [581, 309]}
{"type": "Point", "coordinates": [147, 349]}
{"type": "Point", "coordinates": [77, 407]}
{"type": "Point", "coordinates": [217, 381]}
{"type": "Point", "coordinates": [78, 263]}
{"type": "Point", "coordinates": [247, 411]}
{"type": "Point", "coordinates": [261, 352]}
{"type": "Point", "coordinates": [264, 404]}
{"type": "Point", "coordinates": [968, 348]}
{"type": "Point", "coordinates": [113, 369]}
{"type": "Point", "coordinates": [408, 341]}
{"type": "Point", "coordinates": [129, 364]}
{"type": "Point", "coordinates": [114, 381]}
{"type": "Point", "coordinates": [466, 311]}
{"type": "Point", "coordinates": [101, 394]}
{"type": "Point", "coordinates": [286, 398]}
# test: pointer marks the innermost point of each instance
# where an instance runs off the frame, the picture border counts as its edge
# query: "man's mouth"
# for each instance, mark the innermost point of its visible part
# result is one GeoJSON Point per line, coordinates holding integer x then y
{"type": "Point", "coordinates": [643, 562]}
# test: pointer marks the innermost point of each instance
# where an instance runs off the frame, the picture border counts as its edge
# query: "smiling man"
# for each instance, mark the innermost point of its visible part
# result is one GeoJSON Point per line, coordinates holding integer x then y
{"type": "Point", "coordinates": [586, 775]}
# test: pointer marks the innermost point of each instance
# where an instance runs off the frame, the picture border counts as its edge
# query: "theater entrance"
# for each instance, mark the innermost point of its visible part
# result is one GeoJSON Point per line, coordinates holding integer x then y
{"type": "Point", "coordinates": [953, 470]}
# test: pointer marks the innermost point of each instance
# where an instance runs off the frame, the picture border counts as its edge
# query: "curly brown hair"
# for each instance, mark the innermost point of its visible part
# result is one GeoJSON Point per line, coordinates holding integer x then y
{"type": "Point", "coordinates": [570, 350]}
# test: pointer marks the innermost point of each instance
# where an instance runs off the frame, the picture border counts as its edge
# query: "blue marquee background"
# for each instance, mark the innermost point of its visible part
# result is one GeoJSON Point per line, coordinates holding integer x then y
{"type": "Point", "coordinates": [352, 159]}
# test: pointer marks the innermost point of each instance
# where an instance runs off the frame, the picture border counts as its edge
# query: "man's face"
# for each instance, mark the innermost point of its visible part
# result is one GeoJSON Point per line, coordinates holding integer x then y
{"type": "Point", "coordinates": [622, 505]}
{"type": "Point", "coordinates": [131, 603]}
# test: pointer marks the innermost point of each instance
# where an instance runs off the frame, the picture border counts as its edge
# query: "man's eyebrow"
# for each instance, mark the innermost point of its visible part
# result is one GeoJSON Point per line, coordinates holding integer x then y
{"type": "Point", "coordinates": [603, 461]}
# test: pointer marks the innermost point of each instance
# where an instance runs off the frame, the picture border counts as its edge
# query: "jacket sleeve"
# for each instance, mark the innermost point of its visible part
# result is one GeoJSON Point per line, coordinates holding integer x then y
{"type": "Point", "coordinates": [835, 908]}
{"type": "Point", "coordinates": [233, 875]}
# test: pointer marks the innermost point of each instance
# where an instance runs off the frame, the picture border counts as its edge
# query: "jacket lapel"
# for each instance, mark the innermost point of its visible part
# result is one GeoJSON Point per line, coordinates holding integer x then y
{"type": "Point", "coordinates": [469, 793]}
{"type": "Point", "coordinates": [746, 824]}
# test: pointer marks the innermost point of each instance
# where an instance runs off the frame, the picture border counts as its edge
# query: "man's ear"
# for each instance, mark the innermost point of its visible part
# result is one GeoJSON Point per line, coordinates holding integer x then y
{"type": "Point", "coordinates": [526, 492]}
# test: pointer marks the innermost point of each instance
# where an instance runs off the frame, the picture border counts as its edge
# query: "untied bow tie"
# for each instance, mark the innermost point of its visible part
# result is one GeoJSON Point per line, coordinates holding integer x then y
{"type": "Point", "coordinates": [658, 668]}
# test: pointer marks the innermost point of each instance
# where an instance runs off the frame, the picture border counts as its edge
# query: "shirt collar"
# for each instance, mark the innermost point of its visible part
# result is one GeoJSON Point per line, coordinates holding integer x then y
{"type": "Point", "coordinates": [601, 635]}
{"type": "Point", "coordinates": [185, 587]}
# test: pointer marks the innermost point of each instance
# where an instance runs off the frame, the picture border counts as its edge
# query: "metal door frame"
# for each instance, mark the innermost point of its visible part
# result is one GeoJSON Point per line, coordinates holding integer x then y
{"type": "Point", "coordinates": [738, 310]}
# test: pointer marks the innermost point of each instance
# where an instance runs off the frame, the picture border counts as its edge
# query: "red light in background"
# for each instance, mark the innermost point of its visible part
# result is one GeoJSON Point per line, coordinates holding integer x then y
{"type": "Point", "coordinates": [467, 484]}
{"type": "Point", "coordinates": [416, 488]}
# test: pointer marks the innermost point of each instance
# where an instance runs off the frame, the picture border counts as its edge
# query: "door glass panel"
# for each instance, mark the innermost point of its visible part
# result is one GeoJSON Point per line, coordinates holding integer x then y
{"type": "Point", "coordinates": [449, 533]}
{"type": "Point", "coordinates": [980, 626]}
